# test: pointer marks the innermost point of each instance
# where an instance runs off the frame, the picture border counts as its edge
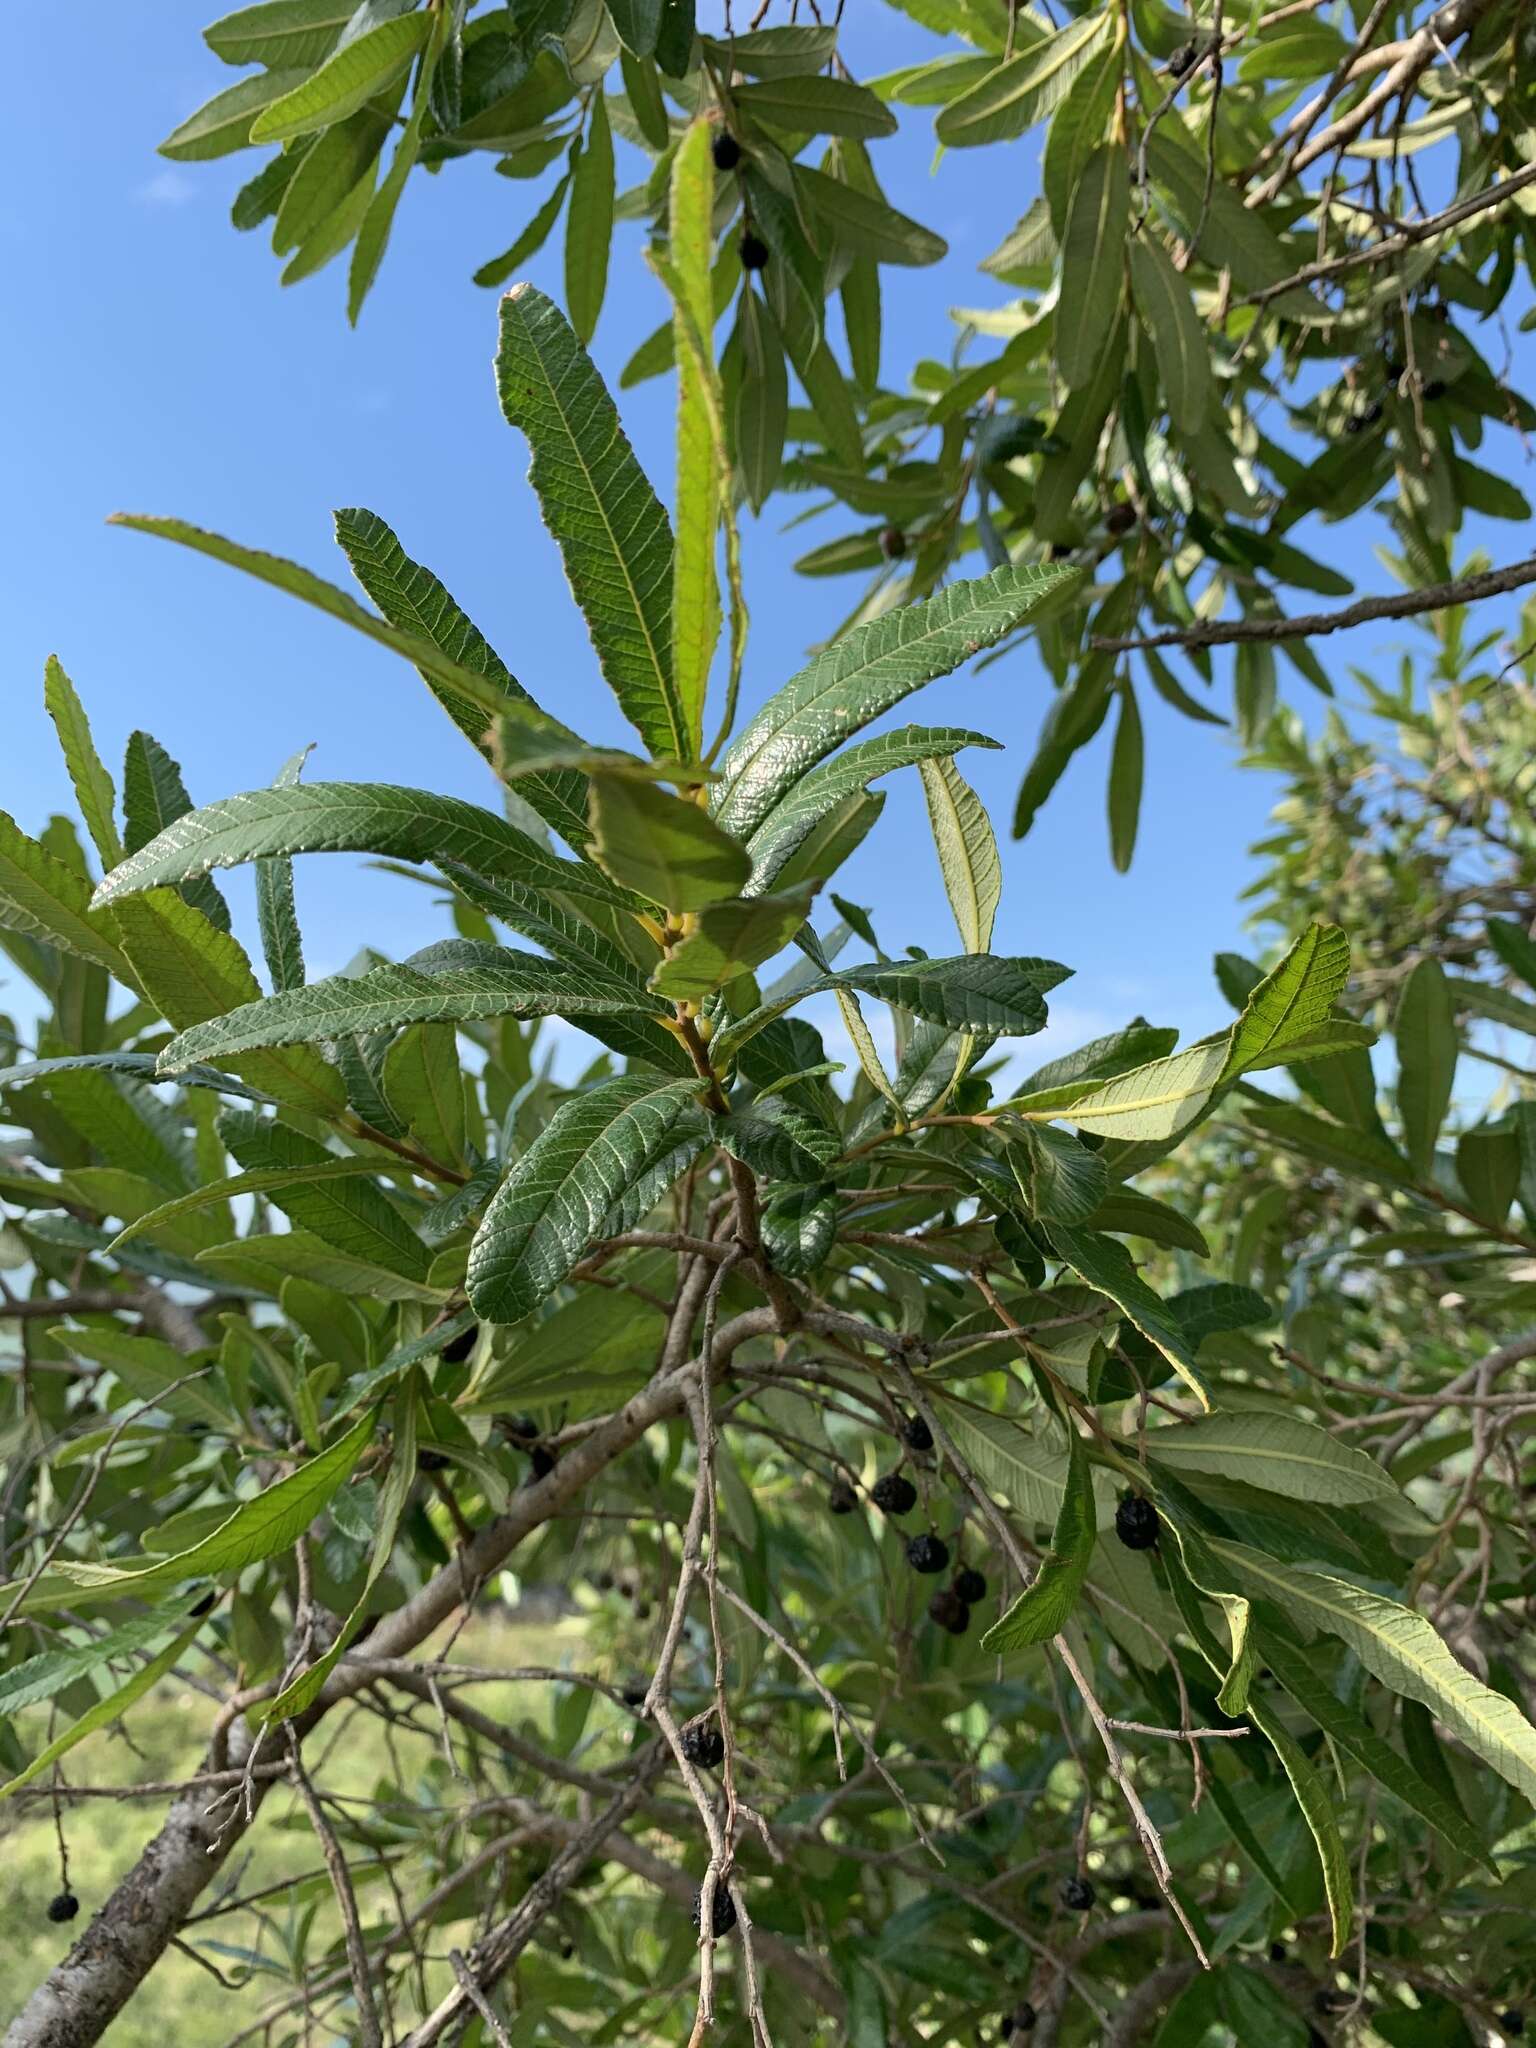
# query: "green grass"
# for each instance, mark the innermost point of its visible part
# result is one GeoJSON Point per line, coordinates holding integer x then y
{"type": "Point", "coordinates": [182, 2003]}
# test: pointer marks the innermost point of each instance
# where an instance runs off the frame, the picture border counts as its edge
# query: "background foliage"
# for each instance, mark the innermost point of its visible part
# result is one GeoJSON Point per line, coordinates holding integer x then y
{"type": "Point", "coordinates": [1198, 1378]}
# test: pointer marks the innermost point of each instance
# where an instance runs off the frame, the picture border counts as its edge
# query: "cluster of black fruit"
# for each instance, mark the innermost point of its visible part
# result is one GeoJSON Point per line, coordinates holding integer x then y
{"type": "Point", "coordinates": [604, 1582]}
{"type": "Point", "coordinates": [894, 1494]}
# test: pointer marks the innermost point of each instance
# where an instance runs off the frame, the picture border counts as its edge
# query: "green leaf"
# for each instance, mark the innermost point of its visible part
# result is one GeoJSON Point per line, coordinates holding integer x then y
{"type": "Point", "coordinates": [425, 1088]}
{"type": "Point", "coordinates": [1042, 1609]}
{"type": "Point", "coordinates": [967, 848]}
{"type": "Point", "coordinates": [1232, 237]}
{"type": "Point", "coordinates": [1012, 98]}
{"type": "Point", "coordinates": [223, 124]}
{"type": "Point", "coordinates": [695, 580]}
{"type": "Point", "coordinates": [864, 225]}
{"type": "Point", "coordinates": [1293, 1006]}
{"type": "Point", "coordinates": [817, 794]}
{"type": "Point", "coordinates": [342, 817]}
{"type": "Point", "coordinates": [1282, 1453]}
{"type": "Point", "coordinates": [461, 682]}
{"type": "Point", "coordinates": [1400, 1648]}
{"type": "Point", "coordinates": [260, 1181]}
{"type": "Point", "coordinates": [786, 52]}
{"type": "Point", "coordinates": [1106, 1265]}
{"type": "Point", "coordinates": [1515, 947]}
{"type": "Point", "coordinates": [415, 603]}
{"type": "Point", "coordinates": [1125, 777]}
{"type": "Point", "coordinates": [600, 507]}
{"type": "Point", "coordinates": [1149, 1103]}
{"type": "Point", "coordinates": [154, 797]}
{"type": "Point", "coordinates": [1059, 1178]}
{"type": "Point", "coordinates": [798, 1229]}
{"type": "Point", "coordinates": [777, 1141]}
{"type": "Point", "coordinates": [867, 672]}
{"type": "Point", "coordinates": [1427, 1048]}
{"type": "Point", "coordinates": [93, 785]}
{"type": "Point", "coordinates": [730, 939]}
{"type": "Point", "coordinates": [373, 235]}
{"type": "Point", "coordinates": [140, 1064]}
{"type": "Point", "coordinates": [662, 846]}
{"type": "Point", "coordinates": [276, 914]}
{"type": "Point", "coordinates": [192, 971]}
{"type": "Point", "coordinates": [266, 1263]}
{"type": "Point", "coordinates": [298, 33]}
{"type": "Point", "coordinates": [529, 242]}
{"type": "Point", "coordinates": [589, 229]}
{"type": "Point", "coordinates": [270, 1521]}
{"type": "Point", "coordinates": [1343, 1725]}
{"type": "Point", "coordinates": [503, 984]}
{"type": "Point", "coordinates": [1080, 123]}
{"type": "Point", "coordinates": [350, 1214]}
{"type": "Point", "coordinates": [1179, 342]}
{"type": "Point", "coordinates": [1092, 264]}
{"type": "Point", "coordinates": [319, 193]}
{"type": "Point", "coordinates": [1318, 1812]}
{"type": "Point", "coordinates": [362, 68]}
{"type": "Point", "coordinates": [45, 900]}
{"type": "Point", "coordinates": [638, 23]}
{"type": "Point", "coordinates": [812, 104]}
{"type": "Point", "coordinates": [761, 400]}
{"type": "Point", "coordinates": [46, 1675]}
{"type": "Point", "coordinates": [982, 992]}
{"type": "Point", "coordinates": [598, 1166]}
{"type": "Point", "coordinates": [106, 1710]}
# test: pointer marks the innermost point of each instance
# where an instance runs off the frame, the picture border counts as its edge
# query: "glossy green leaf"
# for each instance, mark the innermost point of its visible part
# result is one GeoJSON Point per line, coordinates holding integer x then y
{"type": "Point", "coordinates": [967, 848]}
{"type": "Point", "coordinates": [1042, 1609]}
{"type": "Point", "coordinates": [362, 68]}
{"type": "Point", "coordinates": [1092, 264]}
{"type": "Point", "coordinates": [663, 847]}
{"type": "Point", "coordinates": [597, 1167]}
{"type": "Point", "coordinates": [866, 673]}
{"type": "Point", "coordinates": [1427, 1050]}
{"type": "Point", "coordinates": [608, 521]}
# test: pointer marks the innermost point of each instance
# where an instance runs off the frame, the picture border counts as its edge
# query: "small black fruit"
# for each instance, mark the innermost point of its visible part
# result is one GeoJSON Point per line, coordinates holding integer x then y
{"type": "Point", "coordinates": [916, 1434]}
{"type": "Point", "coordinates": [62, 1906]}
{"type": "Point", "coordinates": [927, 1553]}
{"type": "Point", "coordinates": [521, 1428]}
{"type": "Point", "coordinates": [1136, 1522]}
{"type": "Point", "coordinates": [1120, 518]}
{"type": "Point", "coordinates": [1512, 2021]}
{"type": "Point", "coordinates": [457, 1349]}
{"type": "Point", "coordinates": [1023, 2016]}
{"type": "Point", "coordinates": [1372, 413]}
{"type": "Point", "coordinates": [642, 1610]}
{"type": "Point", "coordinates": [430, 1461]}
{"type": "Point", "coordinates": [949, 1611]}
{"type": "Point", "coordinates": [842, 1500]}
{"type": "Point", "coordinates": [893, 543]}
{"type": "Point", "coordinates": [1333, 2001]}
{"type": "Point", "coordinates": [1435, 388]}
{"type": "Point", "coordinates": [724, 1914]}
{"type": "Point", "coordinates": [753, 251]}
{"type": "Point", "coordinates": [970, 1586]}
{"type": "Point", "coordinates": [1077, 1895]}
{"type": "Point", "coordinates": [1182, 62]}
{"type": "Point", "coordinates": [541, 1462]}
{"type": "Point", "coordinates": [1058, 551]}
{"type": "Point", "coordinates": [205, 1605]}
{"type": "Point", "coordinates": [633, 1694]}
{"type": "Point", "coordinates": [1354, 423]}
{"type": "Point", "coordinates": [602, 1582]}
{"type": "Point", "coordinates": [704, 1746]}
{"type": "Point", "coordinates": [1278, 1951]}
{"type": "Point", "coordinates": [895, 1493]}
{"type": "Point", "coordinates": [725, 150]}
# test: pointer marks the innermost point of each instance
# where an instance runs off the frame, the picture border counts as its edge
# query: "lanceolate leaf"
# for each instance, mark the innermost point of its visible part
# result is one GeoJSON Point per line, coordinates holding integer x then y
{"type": "Point", "coordinates": [1010, 99]}
{"type": "Point", "coordinates": [1427, 1049]}
{"type": "Point", "coordinates": [600, 507]}
{"type": "Point", "coordinates": [508, 984]}
{"type": "Point", "coordinates": [589, 225]}
{"type": "Point", "coordinates": [276, 912]}
{"type": "Point", "coordinates": [730, 939]}
{"type": "Point", "coordinates": [1400, 1648]}
{"type": "Point", "coordinates": [967, 847]}
{"type": "Point", "coordinates": [270, 1521]}
{"type": "Point", "coordinates": [292, 32]}
{"type": "Point", "coordinates": [93, 785]}
{"type": "Point", "coordinates": [1179, 342]}
{"type": "Point", "coordinates": [359, 70]}
{"type": "Point", "coordinates": [154, 797]}
{"type": "Point", "coordinates": [664, 847]}
{"type": "Point", "coordinates": [820, 792]}
{"type": "Point", "coordinates": [1106, 1264]}
{"type": "Point", "coordinates": [45, 900]}
{"type": "Point", "coordinates": [349, 1213]}
{"type": "Point", "coordinates": [340, 817]}
{"type": "Point", "coordinates": [695, 580]}
{"type": "Point", "coordinates": [1041, 1610]}
{"type": "Point", "coordinates": [412, 600]}
{"type": "Point", "coordinates": [1295, 1003]}
{"type": "Point", "coordinates": [1281, 1452]}
{"type": "Point", "coordinates": [1317, 1808]}
{"type": "Point", "coordinates": [106, 1710]}
{"type": "Point", "coordinates": [1092, 264]}
{"type": "Point", "coordinates": [46, 1675]}
{"type": "Point", "coordinates": [261, 1181]}
{"type": "Point", "coordinates": [867, 672]}
{"type": "Point", "coordinates": [599, 1165]}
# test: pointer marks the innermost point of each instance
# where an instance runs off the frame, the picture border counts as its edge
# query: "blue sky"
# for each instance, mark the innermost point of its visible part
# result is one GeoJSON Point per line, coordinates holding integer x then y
{"type": "Point", "coordinates": [153, 363]}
